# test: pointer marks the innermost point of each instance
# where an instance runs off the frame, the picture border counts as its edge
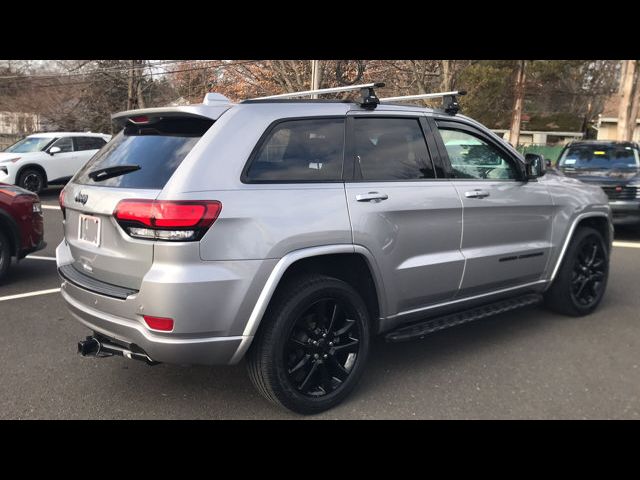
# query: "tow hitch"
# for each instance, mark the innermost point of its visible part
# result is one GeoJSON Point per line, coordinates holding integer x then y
{"type": "Point", "coordinates": [94, 346]}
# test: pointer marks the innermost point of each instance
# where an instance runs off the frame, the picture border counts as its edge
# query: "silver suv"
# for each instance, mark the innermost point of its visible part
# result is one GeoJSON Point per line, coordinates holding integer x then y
{"type": "Point", "coordinates": [290, 232]}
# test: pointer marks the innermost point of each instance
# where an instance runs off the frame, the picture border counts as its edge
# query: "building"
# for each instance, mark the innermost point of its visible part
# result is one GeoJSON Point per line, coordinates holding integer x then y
{"type": "Point", "coordinates": [529, 137]}
{"type": "Point", "coordinates": [608, 121]}
{"type": "Point", "coordinates": [15, 125]}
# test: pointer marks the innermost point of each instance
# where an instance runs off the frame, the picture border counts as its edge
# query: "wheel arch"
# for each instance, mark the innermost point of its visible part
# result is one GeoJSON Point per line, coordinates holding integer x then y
{"type": "Point", "coordinates": [598, 220]}
{"type": "Point", "coordinates": [351, 263]}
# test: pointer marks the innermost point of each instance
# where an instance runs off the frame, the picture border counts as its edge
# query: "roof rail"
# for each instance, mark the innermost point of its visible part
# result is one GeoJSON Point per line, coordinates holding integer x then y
{"type": "Point", "coordinates": [449, 101]}
{"type": "Point", "coordinates": [369, 98]}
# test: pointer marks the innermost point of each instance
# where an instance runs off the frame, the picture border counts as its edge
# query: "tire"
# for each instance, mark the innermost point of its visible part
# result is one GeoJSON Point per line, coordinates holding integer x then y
{"type": "Point", "coordinates": [284, 364]}
{"type": "Point", "coordinates": [571, 293]}
{"type": "Point", "coordinates": [32, 180]}
{"type": "Point", "coordinates": [5, 255]}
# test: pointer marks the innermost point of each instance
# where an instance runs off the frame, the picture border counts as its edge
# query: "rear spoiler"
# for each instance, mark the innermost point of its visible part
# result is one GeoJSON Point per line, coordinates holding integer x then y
{"type": "Point", "coordinates": [196, 111]}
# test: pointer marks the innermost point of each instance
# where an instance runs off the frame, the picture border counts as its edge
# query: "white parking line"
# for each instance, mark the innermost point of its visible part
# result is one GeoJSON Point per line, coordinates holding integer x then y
{"type": "Point", "coordinates": [50, 207]}
{"type": "Point", "coordinates": [37, 257]}
{"type": "Point", "coordinates": [627, 244]}
{"type": "Point", "coordinates": [29, 294]}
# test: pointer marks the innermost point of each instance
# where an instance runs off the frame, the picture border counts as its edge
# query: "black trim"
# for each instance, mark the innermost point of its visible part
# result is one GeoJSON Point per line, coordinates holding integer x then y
{"type": "Point", "coordinates": [356, 174]}
{"type": "Point", "coordinates": [60, 181]}
{"type": "Point", "coordinates": [14, 231]}
{"type": "Point", "coordinates": [263, 138]}
{"type": "Point", "coordinates": [79, 279]}
{"type": "Point", "coordinates": [432, 147]}
{"type": "Point", "coordinates": [474, 130]}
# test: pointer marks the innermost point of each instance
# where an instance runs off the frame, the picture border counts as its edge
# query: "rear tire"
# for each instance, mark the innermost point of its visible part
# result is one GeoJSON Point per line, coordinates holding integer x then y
{"type": "Point", "coordinates": [312, 346]}
{"type": "Point", "coordinates": [582, 278]}
{"type": "Point", "coordinates": [32, 180]}
{"type": "Point", "coordinates": [5, 255]}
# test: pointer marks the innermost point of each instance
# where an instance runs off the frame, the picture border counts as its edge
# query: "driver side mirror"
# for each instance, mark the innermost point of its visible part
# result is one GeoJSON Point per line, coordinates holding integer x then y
{"type": "Point", "coordinates": [536, 165]}
{"type": "Point", "coordinates": [54, 150]}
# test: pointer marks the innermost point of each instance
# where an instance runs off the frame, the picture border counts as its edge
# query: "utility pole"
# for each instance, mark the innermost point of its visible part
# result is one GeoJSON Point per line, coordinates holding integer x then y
{"type": "Point", "coordinates": [130, 90]}
{"type": "Point", "coordinates": [514, 132]}
{"type": "Point", "coordinates": [315, 76]}
{"type": "Point", "coordinates": [629, 97]}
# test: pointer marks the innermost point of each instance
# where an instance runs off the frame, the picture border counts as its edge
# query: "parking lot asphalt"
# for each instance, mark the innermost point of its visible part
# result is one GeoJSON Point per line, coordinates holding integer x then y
{"type": "Point", "coordinates": [527, 364]}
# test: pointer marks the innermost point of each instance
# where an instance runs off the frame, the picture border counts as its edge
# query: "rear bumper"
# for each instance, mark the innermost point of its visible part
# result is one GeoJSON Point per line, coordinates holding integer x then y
{"type": "Point", "coordinates": [625, 212]}
{"type": "Point", "coordinates": [210, 303]}
{"type": "Point", "coordinates": [160, 348]}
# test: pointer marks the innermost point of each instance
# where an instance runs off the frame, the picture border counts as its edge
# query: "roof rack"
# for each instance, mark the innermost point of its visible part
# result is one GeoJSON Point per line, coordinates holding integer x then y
{"type": "Point", "coordinates": [369, 98]}
{"type": "Point", "coordinates": [449, 100]}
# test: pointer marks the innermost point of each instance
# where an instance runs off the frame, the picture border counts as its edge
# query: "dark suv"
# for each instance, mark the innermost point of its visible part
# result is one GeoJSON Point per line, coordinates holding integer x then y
{"type": "Point", "coordinates": [21, 225]}
{"type": "Point", "coordinates": [614, 166]}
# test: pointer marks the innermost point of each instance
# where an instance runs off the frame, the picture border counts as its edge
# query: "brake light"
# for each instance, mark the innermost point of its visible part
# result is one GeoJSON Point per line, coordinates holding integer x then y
{"type": "Point", "coordinates": [159, 323]}
{"type": "Point", "coordinates": [140, 119]}
{"type": "Point", "coordinates": [167, 220]}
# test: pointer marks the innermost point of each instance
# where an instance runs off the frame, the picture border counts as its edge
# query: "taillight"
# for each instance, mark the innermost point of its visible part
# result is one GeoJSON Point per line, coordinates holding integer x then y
{"type": "Point", "coordinates": [167, 220]}
{"type": "Point", "coordinates": [61, 202]}
{"type": "Point", "coordinates": [159, 323]}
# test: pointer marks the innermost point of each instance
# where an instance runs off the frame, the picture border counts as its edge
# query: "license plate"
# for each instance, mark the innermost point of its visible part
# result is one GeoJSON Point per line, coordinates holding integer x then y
{"type": "Point", "coordinates": [89, 229]}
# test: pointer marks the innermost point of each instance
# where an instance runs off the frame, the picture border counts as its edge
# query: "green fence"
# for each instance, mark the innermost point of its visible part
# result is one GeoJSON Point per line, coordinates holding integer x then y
{"type": "Point", "coordinates": [550, 152]}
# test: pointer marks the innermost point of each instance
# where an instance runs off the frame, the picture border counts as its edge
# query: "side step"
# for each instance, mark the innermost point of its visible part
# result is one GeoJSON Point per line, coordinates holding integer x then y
{"type": "Point", "coordinates": [419, 330]}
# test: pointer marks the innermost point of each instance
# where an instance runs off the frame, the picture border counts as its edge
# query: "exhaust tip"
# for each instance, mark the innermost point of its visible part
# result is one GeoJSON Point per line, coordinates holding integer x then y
{"type": "Point", "coordinates": [88, 346]}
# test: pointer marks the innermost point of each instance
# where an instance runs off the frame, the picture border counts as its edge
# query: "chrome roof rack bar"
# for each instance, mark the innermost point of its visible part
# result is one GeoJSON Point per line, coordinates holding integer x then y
{"type": "Point", "coordinates": [449, 101]}
{"type": "Point", "coordinates": [321, 91]}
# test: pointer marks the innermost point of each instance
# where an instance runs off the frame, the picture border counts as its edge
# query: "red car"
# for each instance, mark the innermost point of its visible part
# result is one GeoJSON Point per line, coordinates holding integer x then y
{"type": "Point", "coordinates": [21, 225]}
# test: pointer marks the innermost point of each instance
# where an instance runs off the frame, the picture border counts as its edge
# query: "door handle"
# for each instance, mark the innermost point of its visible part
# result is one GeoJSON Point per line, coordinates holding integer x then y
{"type": "Point", "coordinates": [371, 197]}
{"type": "Point", "coordinates": [476, 194]}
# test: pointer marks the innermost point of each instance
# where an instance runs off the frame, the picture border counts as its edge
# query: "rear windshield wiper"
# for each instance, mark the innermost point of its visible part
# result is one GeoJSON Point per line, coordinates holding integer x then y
{"type": "Point", "coordinates": [110, 172]}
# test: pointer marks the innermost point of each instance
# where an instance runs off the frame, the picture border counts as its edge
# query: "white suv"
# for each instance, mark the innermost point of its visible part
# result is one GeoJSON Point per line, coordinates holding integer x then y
{"type": "Point", "coordinates": [48, 158]}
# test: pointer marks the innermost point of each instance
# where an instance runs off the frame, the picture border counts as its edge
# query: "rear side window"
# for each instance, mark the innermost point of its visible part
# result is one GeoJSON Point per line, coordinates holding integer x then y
{"type": "Point", "coordinates": [89, 143]}
{"type": "Point", "coordinates": [300, 151]}
{"type": "Point", "coordinates": [157, 148]}
{"type": "Point", "coordinates": [391, 149]}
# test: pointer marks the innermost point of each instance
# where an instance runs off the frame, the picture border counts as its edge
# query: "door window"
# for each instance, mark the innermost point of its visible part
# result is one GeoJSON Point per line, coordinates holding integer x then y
{"type": "Point", "coordinates": [391, 149]}
{"type": "Point", "coordinates": [472, 157]}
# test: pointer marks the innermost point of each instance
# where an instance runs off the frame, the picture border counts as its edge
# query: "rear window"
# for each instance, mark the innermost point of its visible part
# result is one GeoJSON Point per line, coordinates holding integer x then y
{"type": "Point", "coordinates": [157, 148]}
{"type": "Point", "coordinates": [600, 156]}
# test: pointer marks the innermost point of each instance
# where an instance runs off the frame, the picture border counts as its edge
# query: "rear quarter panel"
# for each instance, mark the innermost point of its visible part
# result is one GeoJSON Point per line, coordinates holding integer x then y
{"type": "Point", "coordinates": [258, 221]}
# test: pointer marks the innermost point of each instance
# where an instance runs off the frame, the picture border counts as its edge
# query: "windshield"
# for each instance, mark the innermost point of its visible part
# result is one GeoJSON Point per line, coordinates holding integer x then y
{"type": "Point", "coordinates": [600, 157]}
{"type": "Point", "coordinates": [142, 156]}
{"type": "Point", "coordinates": [30, 144]}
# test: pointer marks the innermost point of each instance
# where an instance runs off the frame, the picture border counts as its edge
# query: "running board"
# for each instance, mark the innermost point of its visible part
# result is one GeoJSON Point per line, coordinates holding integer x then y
{"type": "Point", "coordinates": [419, 330]}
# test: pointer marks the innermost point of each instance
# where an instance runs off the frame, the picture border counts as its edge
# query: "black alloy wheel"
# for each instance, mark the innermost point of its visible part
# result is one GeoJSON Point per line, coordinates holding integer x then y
{"type": "Point", "coordinates": [322, 347]}
{"type": "Point", "coordinates": [589, 272]}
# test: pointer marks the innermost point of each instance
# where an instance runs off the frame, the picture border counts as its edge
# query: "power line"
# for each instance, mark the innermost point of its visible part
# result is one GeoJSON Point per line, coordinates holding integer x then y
{"type": "Point", "coordinates": [167, 72]}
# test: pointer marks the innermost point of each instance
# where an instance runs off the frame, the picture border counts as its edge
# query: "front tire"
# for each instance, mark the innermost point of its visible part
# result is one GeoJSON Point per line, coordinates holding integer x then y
{"type": "Point", "coordinates": [582, 279]}
{"type": "Point", "coordinates": [313, 344]}
{"type": "Point", "coordinates": [32, 180]}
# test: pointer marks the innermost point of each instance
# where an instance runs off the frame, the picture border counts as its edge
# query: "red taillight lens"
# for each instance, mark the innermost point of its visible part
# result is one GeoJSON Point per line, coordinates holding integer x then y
{"type": "Point", "coordinates": [167, 220]}
{"type": "Point", "coordinates": [139, 119]}
{"type": "Point", "coordinates": [159, 323]}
